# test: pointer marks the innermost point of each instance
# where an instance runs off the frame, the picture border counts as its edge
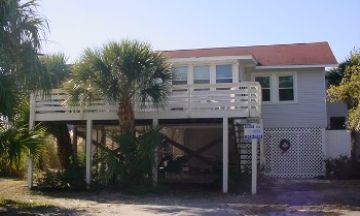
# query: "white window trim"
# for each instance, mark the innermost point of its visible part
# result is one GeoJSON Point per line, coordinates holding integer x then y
{"type": "Point", "coordinates": [253, 75]}
{"type": "Point", "coordinates": [199, 65]}
{"type": "Point", "coordinates": [274, 85]}
{"type": "Point", "coordinates": [187, 76]}
{"type": "Point", "coordinates": [294, 75]}
{"type": "Point", "coordinates": [226, 78]}
{"type": "Point", "coordinates": [238, 74]}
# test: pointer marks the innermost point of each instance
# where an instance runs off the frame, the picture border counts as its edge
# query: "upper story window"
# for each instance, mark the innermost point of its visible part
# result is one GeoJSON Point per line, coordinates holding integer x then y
{"type": "Point", "coordinates": [286, 88]}
{"type": "Point", "coordinates": [202, 74]}
{"type": "Point", "coordinates": [277, 87]}
{"type": "Point", "coordinates": [179, 75]}
{"type": "Point", "coordinates": [224, 73]}
{"type": "Point", "coordinates": [265, 86]}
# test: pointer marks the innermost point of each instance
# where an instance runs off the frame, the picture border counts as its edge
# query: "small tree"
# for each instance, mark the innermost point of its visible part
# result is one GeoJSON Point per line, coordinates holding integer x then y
{"type": "Point", "coordinates": [126, 73]}
{"type": "Point", "coordinates": [348, 91]}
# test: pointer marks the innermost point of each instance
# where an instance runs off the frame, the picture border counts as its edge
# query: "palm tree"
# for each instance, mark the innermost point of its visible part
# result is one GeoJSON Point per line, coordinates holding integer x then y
{"type": "Point", "coordinates": [57, 70]}
{"type": "Point", "coordinates": [124, 73]}
{"type": "Point", "coordinates": [21, 33]}
{"type": "Point", "coordinates": [17, 140]}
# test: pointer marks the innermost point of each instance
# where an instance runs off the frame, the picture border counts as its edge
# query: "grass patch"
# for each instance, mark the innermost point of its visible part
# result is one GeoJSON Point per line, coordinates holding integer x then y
{"type": "Point", "coordinates": [21, 204]}
{"type": "Point", "coordinates": [28, 208]}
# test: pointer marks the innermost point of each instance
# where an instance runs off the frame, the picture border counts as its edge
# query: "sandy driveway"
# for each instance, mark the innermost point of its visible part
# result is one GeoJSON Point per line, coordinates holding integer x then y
{"type": "Point", "coordinates": [280, 198]}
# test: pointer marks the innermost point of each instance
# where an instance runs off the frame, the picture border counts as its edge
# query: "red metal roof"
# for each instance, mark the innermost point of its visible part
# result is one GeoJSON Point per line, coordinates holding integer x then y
{"type": "Point", "coordinates": [318, 53]}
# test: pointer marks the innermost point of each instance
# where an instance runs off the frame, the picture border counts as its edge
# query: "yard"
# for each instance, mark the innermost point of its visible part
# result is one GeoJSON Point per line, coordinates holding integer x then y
{"type": "Point", "coordinates": [318, 197]}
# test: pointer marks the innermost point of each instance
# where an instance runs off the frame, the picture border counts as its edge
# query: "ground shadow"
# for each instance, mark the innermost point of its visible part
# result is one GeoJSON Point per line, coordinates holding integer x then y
{"type": "Point", "coordinates": [293, 198]}
{"type": "Point", "coordinates": [11, 207]}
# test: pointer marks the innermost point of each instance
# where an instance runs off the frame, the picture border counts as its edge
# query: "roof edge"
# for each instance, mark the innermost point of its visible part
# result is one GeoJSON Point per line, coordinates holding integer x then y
{"type": "Point", "coordinates": [246, 46]}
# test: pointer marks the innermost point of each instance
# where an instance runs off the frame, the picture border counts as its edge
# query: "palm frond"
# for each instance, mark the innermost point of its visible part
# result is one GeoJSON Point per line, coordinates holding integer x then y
{"type": "Point", "coordinates": [7, 95]}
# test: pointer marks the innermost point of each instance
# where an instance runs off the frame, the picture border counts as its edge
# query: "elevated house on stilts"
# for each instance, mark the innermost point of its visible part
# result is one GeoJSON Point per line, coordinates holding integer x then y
{"type": "Point", "coordinates": [215, 92]}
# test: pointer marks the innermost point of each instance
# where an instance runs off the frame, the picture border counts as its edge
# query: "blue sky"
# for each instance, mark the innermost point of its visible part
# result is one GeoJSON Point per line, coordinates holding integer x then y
{"type": "Point", "coordinates": [180, 24]}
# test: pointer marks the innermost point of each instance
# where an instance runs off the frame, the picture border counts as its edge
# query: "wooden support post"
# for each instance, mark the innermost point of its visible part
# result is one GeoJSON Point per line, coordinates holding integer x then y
{"type": "Point", "coordinates": [88, 151]}
{"type": "Point", "coordinates": [30, 169]}
{"type": "Point", "coordinates": [225, 154]}
{"type": "Point", "coordinates": [155, 124]}
{"type": "Point", "coordinates": [30, 172]}
{"type": "Point", "coordinates": [253, 166]}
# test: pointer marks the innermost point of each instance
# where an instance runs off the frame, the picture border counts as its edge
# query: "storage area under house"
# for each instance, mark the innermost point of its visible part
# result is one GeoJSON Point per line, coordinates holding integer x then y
{"type": "Point", "coordinates": [198, 129]}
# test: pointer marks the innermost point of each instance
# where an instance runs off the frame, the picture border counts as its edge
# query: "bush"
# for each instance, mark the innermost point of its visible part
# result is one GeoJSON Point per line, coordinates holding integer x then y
{"type": "Point", "coordinates": [16, 143]}
{"type": "Point", "coordinates": [72, 178]}
{"type": "Point", "coordinates": [342, 168]}
{"type": "Point", "coordinates": [130, 165]}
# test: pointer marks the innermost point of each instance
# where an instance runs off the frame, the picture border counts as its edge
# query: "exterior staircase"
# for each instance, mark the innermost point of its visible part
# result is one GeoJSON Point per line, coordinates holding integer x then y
{"type": "Point", "coordinates": [242, 145]}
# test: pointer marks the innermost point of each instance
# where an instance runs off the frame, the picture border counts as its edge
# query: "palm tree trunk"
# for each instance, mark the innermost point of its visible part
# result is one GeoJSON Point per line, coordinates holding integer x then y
{"type": "Point", "coordinates": [64, 146]}
{"type": "Point", "coordinates": [126, 117]}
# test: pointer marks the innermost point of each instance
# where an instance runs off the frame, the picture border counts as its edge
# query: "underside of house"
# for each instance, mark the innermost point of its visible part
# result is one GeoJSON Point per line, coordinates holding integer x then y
{"type": "Point", "coordinates": [216, 92]}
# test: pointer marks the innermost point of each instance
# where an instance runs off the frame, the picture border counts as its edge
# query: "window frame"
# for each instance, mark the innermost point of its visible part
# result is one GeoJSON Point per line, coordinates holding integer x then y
{"type": "Point", "coordinates": [280, 88]}
{"type": "Point", "coordinates": [270, 84]}
{"type": "Point", "coordinates": [187, 74]}
{"type": "Point", "coordinates": [274, 85]}
{"type": "Point", "coordinates": [193, 73]}
{"type": "Point", "coordinates": [231, 77]}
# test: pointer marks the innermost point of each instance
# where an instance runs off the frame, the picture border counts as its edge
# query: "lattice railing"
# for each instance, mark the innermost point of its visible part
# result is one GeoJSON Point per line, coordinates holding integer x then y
{"type": "Point", "coordinates": [304, 158]}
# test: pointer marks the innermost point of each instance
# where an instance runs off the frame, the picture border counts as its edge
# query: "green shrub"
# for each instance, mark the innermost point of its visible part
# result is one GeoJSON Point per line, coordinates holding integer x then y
{"type": "Point", "coordinates": [342, 168]}
{"type": "Point", "coordinates": [130, 165]}
{"type": "Point", "coordinates": [16, 143]}
{"type": "Point", "coordinates": [72, 178]}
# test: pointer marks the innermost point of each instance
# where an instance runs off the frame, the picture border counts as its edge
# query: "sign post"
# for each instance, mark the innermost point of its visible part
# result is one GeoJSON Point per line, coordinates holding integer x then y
{"type": "Point", "coordinates": [253, 132]}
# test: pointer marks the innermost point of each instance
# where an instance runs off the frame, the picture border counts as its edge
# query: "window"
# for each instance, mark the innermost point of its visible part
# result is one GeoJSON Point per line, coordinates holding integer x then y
{"type": "Point", "coordinates": [265, 86]}
{"type": "Point", "coordinates": [179, 75]}
{"type": "Point", "coordinates": [337, 123]}
{"type": "Point", "coordinates": [201, 74]}
{"type": "Point", "coordinates": [224, 73]}
{"type": "Point", "coordinates": [286, 88]}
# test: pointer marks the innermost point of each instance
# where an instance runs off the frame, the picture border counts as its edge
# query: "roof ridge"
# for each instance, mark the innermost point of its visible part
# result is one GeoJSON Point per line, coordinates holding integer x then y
{"type": "Point", "coordinates": [250, 46]}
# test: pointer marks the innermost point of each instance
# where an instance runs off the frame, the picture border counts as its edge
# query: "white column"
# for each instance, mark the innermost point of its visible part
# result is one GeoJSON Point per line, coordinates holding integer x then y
{"type": "Point", "coordinates": [236, 72]}
{"type": "Point", "coordinates": [30, 169]}
{"type": "Point", "coordinates": [225, 154]}
{"type": "Point", "coordinates": [242, 75]}
{"type": "Point", "coordinates": [253, 166]}
{"type": "Point", "coordinates": [190, 75]}
{"type": "Point", "coordinates": [212, 71]}
{"type": "Point", "coordinates": [88, 151]}
{"type": "Point", "coordinates": [30, 172]}
{"type": "Point", "coordinates": [155, 124]}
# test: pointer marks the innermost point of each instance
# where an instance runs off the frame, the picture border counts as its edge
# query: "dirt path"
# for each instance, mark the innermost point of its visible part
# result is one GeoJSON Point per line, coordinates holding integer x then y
{"type": "Point", "coordinates": [281, 198]}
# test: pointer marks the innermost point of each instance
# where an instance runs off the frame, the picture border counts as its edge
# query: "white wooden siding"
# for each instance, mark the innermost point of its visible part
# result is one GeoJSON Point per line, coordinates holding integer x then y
{"type": "Point", "coordinates": [310, 108]}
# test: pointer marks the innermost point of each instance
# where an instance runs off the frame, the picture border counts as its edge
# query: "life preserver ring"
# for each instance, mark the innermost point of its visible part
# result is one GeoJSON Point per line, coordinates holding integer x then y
{"type": "Point", "coordinates": [284, 145]}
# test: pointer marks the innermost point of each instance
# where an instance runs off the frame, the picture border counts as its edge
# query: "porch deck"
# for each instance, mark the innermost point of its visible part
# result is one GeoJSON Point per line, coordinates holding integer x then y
{"type": "Point", "coordinates": [185, 101]}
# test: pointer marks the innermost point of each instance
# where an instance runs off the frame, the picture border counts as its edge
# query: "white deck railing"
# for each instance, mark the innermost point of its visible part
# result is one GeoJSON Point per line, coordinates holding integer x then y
{"type": "Point", "coordinates": [186, 101]}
